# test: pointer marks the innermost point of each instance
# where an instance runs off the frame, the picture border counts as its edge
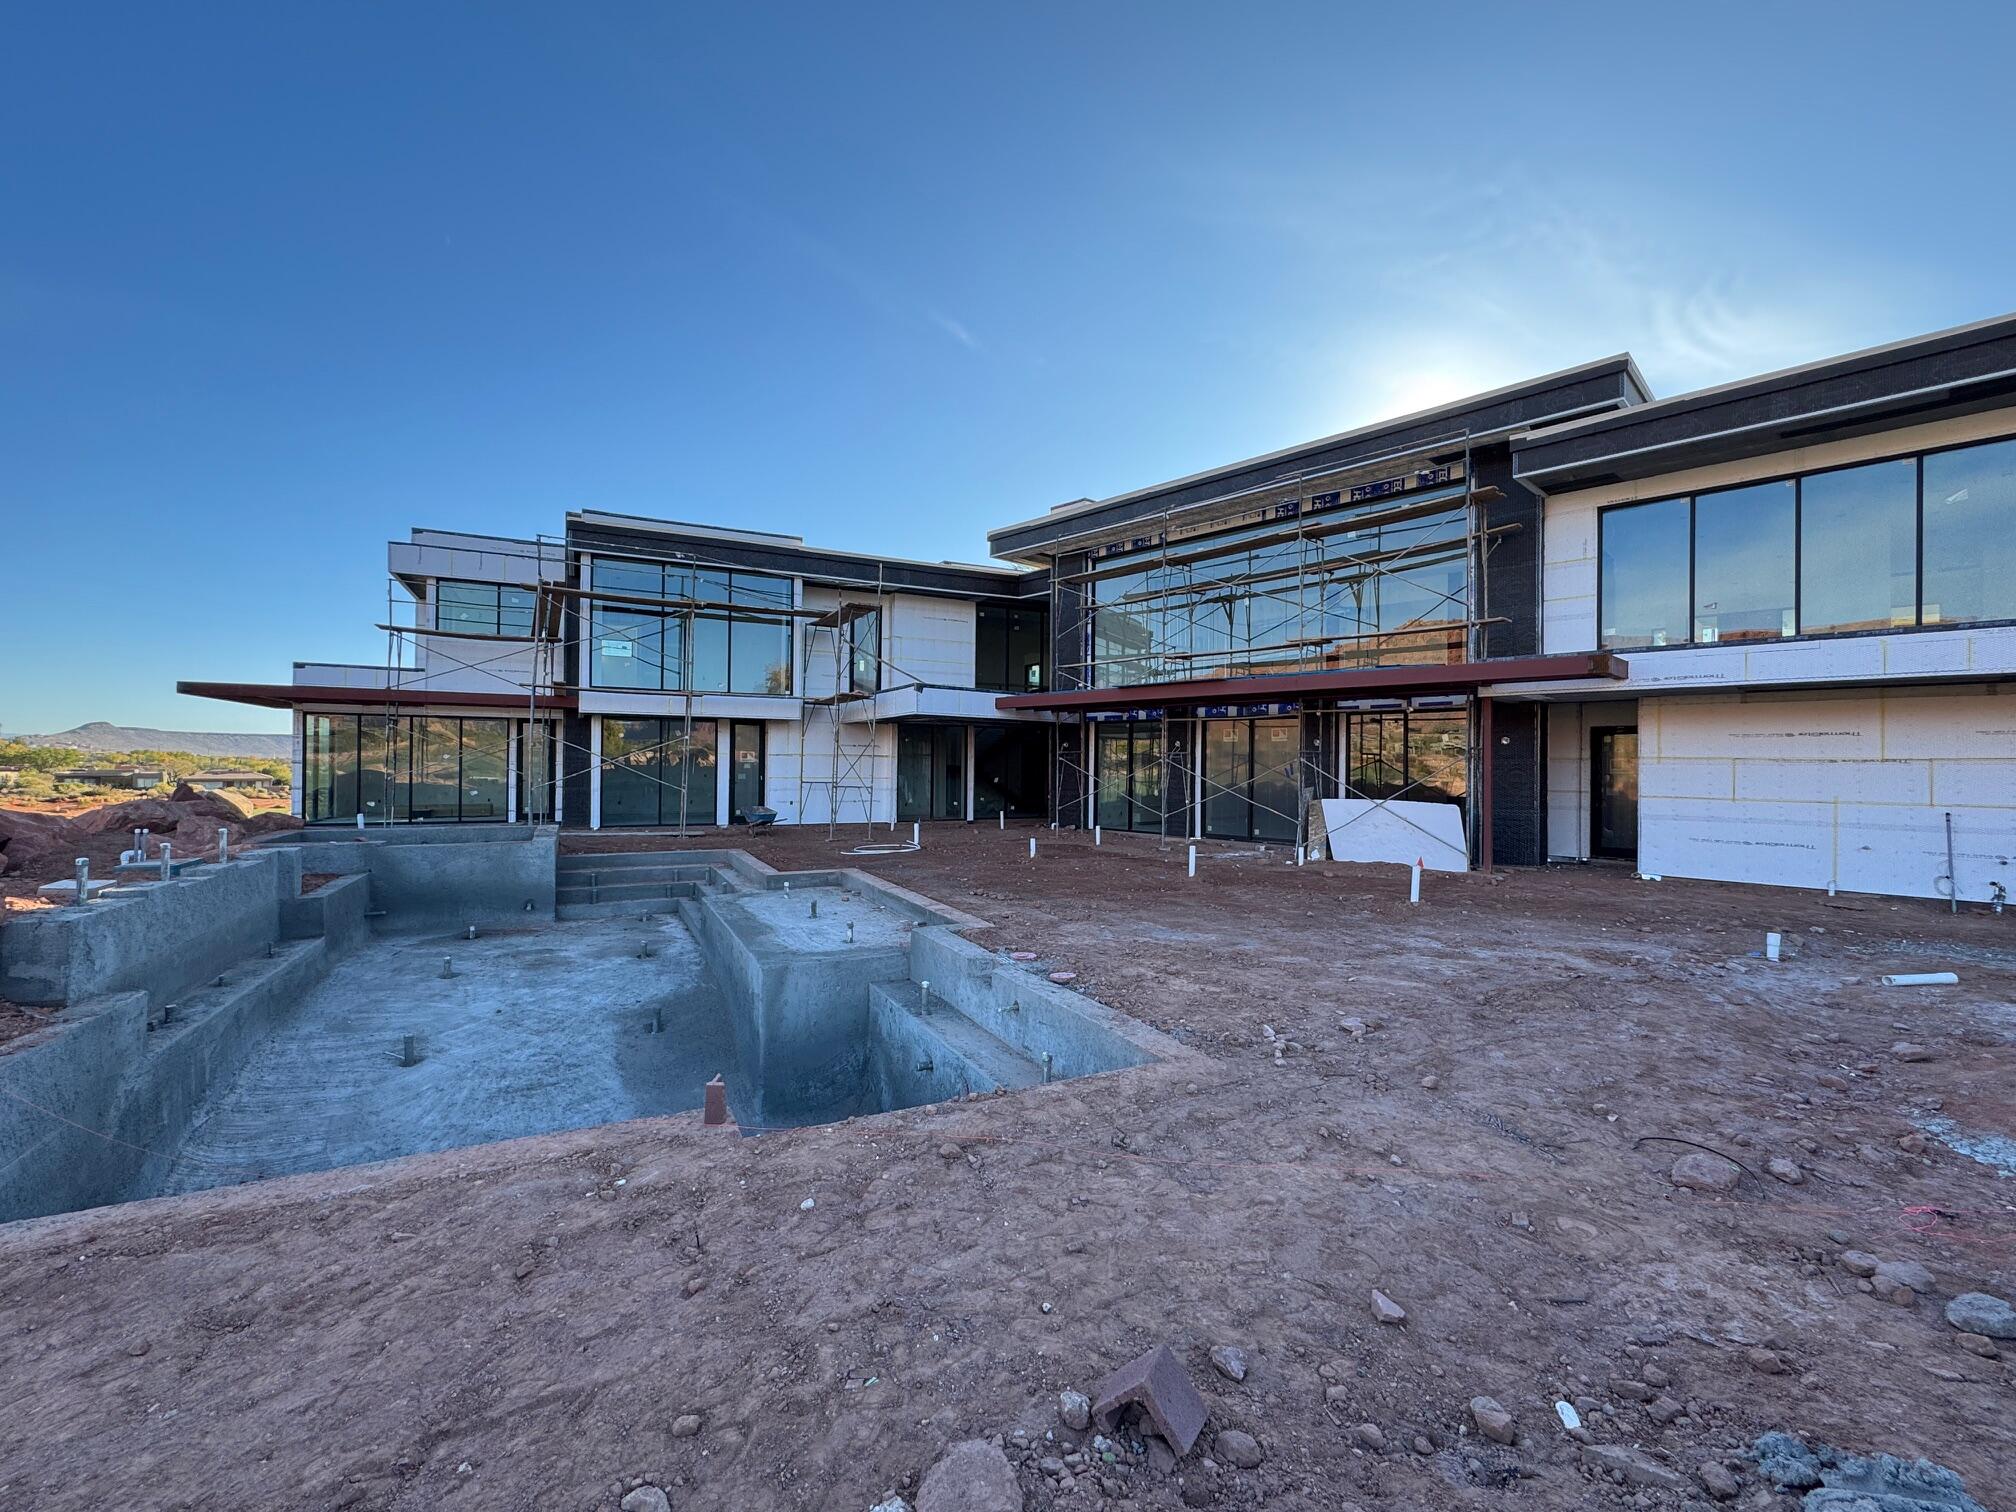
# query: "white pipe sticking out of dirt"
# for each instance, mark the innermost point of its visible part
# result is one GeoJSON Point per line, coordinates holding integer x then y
{"type": "Point", "coordinates": [1414, 883]}
{"type": "Point", "coordinates": [1922, 979]}
{"type": "Point", "coordinates": [1773, 944]}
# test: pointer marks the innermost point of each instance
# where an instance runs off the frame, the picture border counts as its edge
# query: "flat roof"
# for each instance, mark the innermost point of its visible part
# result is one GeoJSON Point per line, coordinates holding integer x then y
{"type": "Point", "coordinates": [1960, 370]}
{"type": "Point", "coordinates": [1603, 384]}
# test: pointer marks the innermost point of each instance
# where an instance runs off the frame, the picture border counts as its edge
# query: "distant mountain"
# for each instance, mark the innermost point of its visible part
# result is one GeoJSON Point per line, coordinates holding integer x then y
{"type": "Point", "coordinates": [100, 736]}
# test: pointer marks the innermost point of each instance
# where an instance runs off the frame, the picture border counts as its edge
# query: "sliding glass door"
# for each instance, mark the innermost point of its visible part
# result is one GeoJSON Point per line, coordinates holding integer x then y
{"type": "Point", "coordinates": [1252, 788]}
{"type": "Point", "coordinates": [653, 773]}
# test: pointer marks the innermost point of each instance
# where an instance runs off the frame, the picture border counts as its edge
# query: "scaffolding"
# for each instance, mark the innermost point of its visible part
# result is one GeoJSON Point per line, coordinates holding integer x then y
{"type": "Point", "coordinates": [1184, 787]}
{"type": "Point", "coordinates": [851, 770]}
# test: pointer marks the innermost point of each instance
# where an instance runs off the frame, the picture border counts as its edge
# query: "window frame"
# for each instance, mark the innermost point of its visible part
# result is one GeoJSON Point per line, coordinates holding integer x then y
{"type": "Point", "coordinates": [495, 606]}
{"type": "Point", "coordinates": [1915, 455]}
{"type": "Point", "coordinates": [1000, 678]}
{"type": "Point", "coordinates": [673, 670]}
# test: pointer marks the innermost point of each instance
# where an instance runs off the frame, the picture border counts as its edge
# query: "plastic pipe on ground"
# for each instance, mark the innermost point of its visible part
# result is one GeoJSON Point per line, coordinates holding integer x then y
{"type": "Point", "coordinates": [1922, 979]}
{"type": "Point", "coordinates": [1414, 883]}
{"type": "Point", "coordinates": [1193, 860]}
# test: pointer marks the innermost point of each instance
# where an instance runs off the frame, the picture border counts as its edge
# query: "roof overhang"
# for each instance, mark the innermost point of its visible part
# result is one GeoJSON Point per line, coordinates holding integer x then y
{"type": "Point", "coordinates": [1598, 387]}
{"type": "Point", "coordinates": [295, 695]}
{"type": "Point", "coordinates": [1944, 375]}
{"type": "Point", "coordinates": [1458, 677]}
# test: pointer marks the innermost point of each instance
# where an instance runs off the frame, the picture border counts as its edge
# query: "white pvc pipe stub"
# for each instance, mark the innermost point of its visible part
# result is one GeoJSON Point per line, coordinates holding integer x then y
{"type": "Point", "coordinates": [1922, 979]}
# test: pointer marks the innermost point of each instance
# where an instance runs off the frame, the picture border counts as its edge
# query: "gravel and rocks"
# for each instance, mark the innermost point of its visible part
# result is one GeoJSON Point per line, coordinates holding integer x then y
{"type": "Point", "coordinates": [1236, 1447]}
{"type": "Point", "coordinates": [1983, 1314]}
{"type": "Point", "coordinates": [1074, 1410]}
{"type": "Point", "coordinates": [1492, 1420]}
{"type": "Point", "coordinates": [1700, 1171]}
{"type": "Point", "coordinates": [973, 1476]}
{"type": "Point", "coordinates": [1231, 1362]}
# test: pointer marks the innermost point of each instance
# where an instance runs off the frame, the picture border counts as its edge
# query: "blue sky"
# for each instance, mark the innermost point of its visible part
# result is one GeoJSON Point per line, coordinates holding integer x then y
{"type": "Point", "coordinates": [278, 282]}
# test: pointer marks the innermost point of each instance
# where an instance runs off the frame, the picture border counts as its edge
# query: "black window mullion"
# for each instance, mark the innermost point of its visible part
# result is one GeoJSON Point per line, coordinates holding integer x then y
{"type": "Point", "coordinates": [1918, 568]}
{"type": "Point", "coordinates": [1798, 554]}
{"type": "Point", "coordinates": [1690, 572]}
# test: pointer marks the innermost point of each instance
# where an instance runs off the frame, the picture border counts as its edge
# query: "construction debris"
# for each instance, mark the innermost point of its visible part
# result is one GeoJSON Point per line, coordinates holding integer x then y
{"type": "Point", "coordinates": [1158, 1384]}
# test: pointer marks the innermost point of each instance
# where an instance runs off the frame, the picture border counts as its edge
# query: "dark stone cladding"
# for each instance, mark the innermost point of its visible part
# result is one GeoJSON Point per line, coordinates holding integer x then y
{"type": "Point", "coordinates": [1944, 375]}
{"type": "Point", "coordinates": [576, 762]}
{"type": "Point", "coordinates": [810, 562]}
{"type": "Point", "coordinates": [1518, 783]}
{"type": "Point", "coordinates": [1511, 576]}
{"type": "Point", "coordinates": [1609, 382]}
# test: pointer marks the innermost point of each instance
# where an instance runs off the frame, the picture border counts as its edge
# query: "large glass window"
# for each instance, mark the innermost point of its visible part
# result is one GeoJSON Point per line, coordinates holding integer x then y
{"type": "Point", "coordinates": [1252, 778]}
{"type": "Point", "coordinates": [654, 773]}
{"type": "Point", "coordinates": [432, 769]}
{"type": "Point", "coordinates": [740, 642]}
{"type": "Point", "coordinates": [1387, 592]}
{"type": "Point", "coordinates": [1010, 648]}
{"type": "Point", "coordinates": [483, 608]}
{"type": "Point", "coordinates": [1643, 581]}
{"type": "Point", "coordinates": [1421, 756]}
{"type": "Point", "coordinates": [1744, 572]}
{"type": "Point", "coordinates": [1970, 534]}
{"type": "Point", "coordinates": [1858, 548]}
{"type": "Point", "coordinates": [1127, 764]}
{"type": "Point", "coordinates": [864, 651]}
{"type": "Point", "coordinates": [1919, 540]}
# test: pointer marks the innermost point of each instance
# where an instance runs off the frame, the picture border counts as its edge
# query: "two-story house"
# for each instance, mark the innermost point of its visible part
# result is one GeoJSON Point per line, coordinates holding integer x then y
{"type": "Point", "coordinates": [1764, 632]}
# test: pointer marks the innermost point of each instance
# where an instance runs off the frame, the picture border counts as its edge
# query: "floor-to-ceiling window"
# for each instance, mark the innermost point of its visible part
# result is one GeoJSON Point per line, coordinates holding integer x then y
{"type": "Point", "coordinates": [400, 769]}
{"type": "Point", "coordinates": [1378, 581]}
{"type": "Point", "coordinates": [1011, 770]}
{"type": "Point", "coordinates": [1129, 776]}
{"type": "Point", "coordinates": [655, 772]}
{"type": "Point", "coordinates": [688, 629]}
{"type": "Point", "coordinates": [930, 771]}
{"type": "Point", "coordinates": [1924, 540]}
{"type": "Point", "coordinates": [1252, 786]}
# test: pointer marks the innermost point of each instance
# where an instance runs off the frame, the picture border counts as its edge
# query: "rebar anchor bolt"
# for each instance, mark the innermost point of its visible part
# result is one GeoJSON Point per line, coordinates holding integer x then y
{"type": "Point", "coordinates": [447, 966]}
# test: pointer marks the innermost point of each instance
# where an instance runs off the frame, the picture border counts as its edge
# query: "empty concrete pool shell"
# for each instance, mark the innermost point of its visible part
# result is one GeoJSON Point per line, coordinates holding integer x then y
{"type": "Point", "coordinates": [429, 993]}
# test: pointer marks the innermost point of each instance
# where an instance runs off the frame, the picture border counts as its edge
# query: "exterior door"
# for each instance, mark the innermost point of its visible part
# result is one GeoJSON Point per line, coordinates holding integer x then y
{"type": "Point", "coordinates": [1613, 793]}
{"type": "Point", "coordinates": [745, 769]}
{"type": "Point", "coordinates": [930, 771]}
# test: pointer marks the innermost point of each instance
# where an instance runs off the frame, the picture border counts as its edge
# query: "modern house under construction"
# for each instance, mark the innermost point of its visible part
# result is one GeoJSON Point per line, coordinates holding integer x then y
{"type": "Point", "coordinates": [1763, 632]}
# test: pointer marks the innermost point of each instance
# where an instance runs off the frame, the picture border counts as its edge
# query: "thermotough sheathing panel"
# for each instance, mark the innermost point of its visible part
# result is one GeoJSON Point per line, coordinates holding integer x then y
{"type": "Point", "coordinates": [1361, 829]}
{"type": "Point", "coordinates": [1833, 788]}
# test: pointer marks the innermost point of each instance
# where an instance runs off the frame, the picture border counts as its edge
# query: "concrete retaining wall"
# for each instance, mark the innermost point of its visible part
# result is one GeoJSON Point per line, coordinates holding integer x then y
{"type": "Point", "coordinates": [135, 1092]}
{"type": "Point", "coordinates": [434, 878]}
{"type": "Point", "coordinates": [334, 912]}
{"type": "Point", "coordinates": [1031, 1014]}
{"type": "Point", "coordinates": [800, 1017]}
{"type": "Point", "coordinates": [159, 937]}
{"type": "Point", "coordinates": [72, 1070]}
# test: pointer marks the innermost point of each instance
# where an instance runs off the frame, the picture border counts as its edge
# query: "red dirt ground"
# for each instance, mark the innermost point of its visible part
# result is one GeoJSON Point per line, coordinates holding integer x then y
{"type": "Point", "coordinates": [506, 1327]}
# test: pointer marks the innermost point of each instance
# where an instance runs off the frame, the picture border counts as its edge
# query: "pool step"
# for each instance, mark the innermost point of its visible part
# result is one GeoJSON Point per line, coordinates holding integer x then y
{"type": "Point", "coordinates": [637, 876]}
{"type": "Point", "coordinates": [950, 1036]}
